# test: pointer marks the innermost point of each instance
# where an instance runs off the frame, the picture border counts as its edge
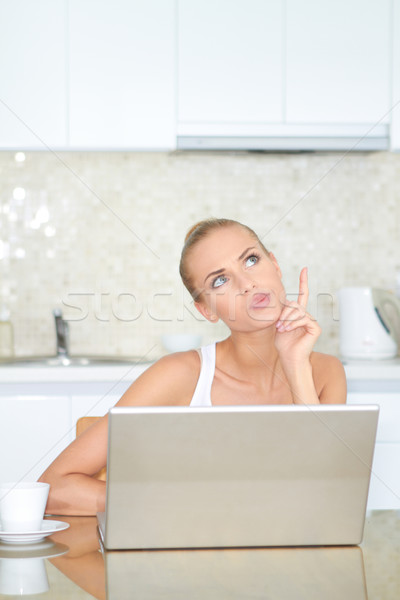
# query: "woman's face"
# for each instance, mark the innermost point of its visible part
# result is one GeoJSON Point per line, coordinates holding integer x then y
{"type": "Point", "coordinates": [237, 281]}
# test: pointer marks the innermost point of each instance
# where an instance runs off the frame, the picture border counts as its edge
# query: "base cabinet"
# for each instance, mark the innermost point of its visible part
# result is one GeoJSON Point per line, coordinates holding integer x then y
{"type": "Point", "coordinates": [38, 420]}
{"type": "Point", "coordinates": [385, 478]}
{"type": "Point", "coordinates": [33, 431]}
{"type": "Point", "coordinates": [384, 491]}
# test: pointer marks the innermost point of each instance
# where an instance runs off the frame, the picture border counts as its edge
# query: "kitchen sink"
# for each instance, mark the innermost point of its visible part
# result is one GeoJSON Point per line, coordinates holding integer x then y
{"type": "Point", "coordinates": [68, 361]}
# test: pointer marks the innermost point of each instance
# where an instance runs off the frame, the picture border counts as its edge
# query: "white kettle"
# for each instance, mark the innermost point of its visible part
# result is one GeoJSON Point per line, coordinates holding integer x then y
{"type": "Point", "coordinates": [369, 323]}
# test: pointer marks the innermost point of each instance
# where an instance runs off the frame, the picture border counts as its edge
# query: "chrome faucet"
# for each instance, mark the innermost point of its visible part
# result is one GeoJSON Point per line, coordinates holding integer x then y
{"type": "Point", "coordinates": [62, 333]}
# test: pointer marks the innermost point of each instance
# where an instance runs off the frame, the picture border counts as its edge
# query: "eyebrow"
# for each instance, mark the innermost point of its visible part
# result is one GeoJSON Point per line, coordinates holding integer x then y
{"type": "Point", "coordinates": [219, 271]}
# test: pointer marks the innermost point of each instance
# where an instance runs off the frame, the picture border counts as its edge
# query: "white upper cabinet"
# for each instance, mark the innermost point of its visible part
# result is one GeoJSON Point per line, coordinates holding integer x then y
{"type": "Point", "coordinates": [33, 99]}
{"type": "Point", "coordinates": [122, 74]}
{"type": "Point", "coordinates": [160, 74]}
{"type": "Point", "coordinates": [395, 101]}
{"type": "Point", "coordinates": [285, 74]}
{"type": "Point", "coordinates": [230, 59]}
{"type": "Point", "coordinates": [338, 61]}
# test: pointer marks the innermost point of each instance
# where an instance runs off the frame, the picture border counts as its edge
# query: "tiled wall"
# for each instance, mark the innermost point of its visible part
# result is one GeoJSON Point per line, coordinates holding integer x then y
{"type": "Point", "coordinates": [99, 236]}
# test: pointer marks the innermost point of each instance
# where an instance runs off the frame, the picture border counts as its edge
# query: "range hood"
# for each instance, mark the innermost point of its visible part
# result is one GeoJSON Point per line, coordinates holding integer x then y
{"type": "Point", "coordinates": [283, 137]}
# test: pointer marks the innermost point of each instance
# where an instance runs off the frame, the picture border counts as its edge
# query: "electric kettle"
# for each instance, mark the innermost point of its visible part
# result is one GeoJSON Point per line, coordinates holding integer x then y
{"type": "Point", "coordinates": [369, 323]}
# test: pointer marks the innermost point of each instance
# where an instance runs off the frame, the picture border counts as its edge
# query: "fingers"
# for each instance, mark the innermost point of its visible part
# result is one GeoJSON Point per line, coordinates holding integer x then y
{"type": "Point", "coordinates": [292, 312]}
{"type": "Point", "coordinates": [292, 316]}
{"type": "Point", "coordinates": [295, 311]}
{"type": "Point", "coordinates": [306, 322]}
{"type": "Point", "coordinates": [303, 288]}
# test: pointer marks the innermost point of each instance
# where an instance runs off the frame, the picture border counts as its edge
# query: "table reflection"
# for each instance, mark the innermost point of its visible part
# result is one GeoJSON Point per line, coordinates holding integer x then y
{"type": "Point", "coordinates": [76, 562]}
{"type": "Point", "coordinates": [84, 563]}
{"type": "Point", "coordinates": [22, 567]}
{"type": "Point", "coordinates": [281, 574]}
{"type": "Point", "coordinates": [329, 573]}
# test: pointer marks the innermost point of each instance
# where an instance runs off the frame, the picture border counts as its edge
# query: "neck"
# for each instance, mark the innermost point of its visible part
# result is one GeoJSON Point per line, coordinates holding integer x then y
{"type": "Point", "coordinates": [253, 354]}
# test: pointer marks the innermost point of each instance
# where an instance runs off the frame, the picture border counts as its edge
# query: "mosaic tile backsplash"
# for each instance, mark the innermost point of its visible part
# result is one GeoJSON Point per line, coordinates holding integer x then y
{"type": "Point", "coordinates": [99, 236]}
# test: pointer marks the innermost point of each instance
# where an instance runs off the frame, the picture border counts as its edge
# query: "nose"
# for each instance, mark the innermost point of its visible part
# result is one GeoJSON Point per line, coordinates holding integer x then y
{"type": "Point", "coordinates": [246, 284]}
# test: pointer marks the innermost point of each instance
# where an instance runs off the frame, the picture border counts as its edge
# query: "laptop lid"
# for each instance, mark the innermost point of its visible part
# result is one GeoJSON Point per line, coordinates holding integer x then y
{"type": "Point", "coordinates": [182, 477]}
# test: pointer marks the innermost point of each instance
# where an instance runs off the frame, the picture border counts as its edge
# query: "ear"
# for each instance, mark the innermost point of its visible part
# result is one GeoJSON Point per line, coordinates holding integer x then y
{"type": "Point", "coordinates": [275, 262]}
{"type": "Point", "coordinates": [206, 312]}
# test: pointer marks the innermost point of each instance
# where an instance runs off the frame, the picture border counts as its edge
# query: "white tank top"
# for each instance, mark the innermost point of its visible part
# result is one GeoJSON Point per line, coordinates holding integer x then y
{"type": "Point", "coordinates": [202, 393]}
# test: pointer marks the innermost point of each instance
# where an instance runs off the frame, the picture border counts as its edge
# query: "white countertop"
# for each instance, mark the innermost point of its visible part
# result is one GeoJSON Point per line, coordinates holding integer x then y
{"type": "Point", "coordinates": [388, 369]}
{"type": "Point", "coordinates": [355, 370]}
{"type": "Point", "coordinates": [38, 374]}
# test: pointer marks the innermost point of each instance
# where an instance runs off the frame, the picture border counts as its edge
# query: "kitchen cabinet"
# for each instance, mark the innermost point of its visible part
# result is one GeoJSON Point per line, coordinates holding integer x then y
{"type": "Point", "coordinates": [39, 408]}
{"type": "Point", "coordinates": [122, 74]}
{"type": "Point", "coordinates": [284, 74]}
{"type": "Point", "coordinates": [33, 74]}
{"type": "Point", "coordinates": [34, 429]}
{"type": "Point", "coordinates": [338, 58]}
{"type": "Point", "coordinates": [395, 100]}
{"type": "Point", "coordinates": [385, 479]}
{"type": "Point", "coordinates": [161, 74]}
{"type": "Point", "coordinates": [229, 61]}
{"type": "Point", "coordinates": [87, 75]}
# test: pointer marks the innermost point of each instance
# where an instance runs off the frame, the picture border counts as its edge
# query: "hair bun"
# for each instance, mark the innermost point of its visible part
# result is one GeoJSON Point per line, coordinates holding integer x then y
{"type": "Point", "coordinates": [192, 229]}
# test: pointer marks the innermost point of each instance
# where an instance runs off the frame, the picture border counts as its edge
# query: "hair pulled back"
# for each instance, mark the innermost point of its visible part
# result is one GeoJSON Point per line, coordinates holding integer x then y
{"type": "Point", "coordinates": [197, 233]}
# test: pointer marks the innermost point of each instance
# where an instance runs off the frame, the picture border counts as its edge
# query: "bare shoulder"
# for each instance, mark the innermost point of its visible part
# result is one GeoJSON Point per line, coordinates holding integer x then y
{"type": "Point", "coordinates": [329, 378]}
{"type": "Point", "coordinates": [322, 362]}
{"type": "Point", "coordinates": [169, 381]}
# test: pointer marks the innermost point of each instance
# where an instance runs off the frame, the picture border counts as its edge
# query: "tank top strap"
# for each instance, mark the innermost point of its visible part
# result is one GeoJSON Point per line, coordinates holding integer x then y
{"type": "Point", "coordinates": [202, 393]}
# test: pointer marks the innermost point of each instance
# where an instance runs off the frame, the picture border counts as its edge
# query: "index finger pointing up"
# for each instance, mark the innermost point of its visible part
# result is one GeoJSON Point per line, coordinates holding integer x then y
{"type": "Point", "coordinates": [303, 288]}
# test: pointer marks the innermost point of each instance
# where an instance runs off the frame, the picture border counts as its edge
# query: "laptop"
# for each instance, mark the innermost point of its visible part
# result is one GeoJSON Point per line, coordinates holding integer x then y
{"type": "Point", "coordinates": [237, 476]}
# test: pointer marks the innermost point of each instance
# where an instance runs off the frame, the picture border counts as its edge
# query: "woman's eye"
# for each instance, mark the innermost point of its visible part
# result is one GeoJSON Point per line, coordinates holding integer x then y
{"type": "Point", "coordinates": [219, 281]}
{"type": "Point", "coordinates": [251, 260]}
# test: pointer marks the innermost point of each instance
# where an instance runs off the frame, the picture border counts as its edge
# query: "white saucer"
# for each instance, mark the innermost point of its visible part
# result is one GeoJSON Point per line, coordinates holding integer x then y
{"type": "Point", "coordinates": [30, 537]}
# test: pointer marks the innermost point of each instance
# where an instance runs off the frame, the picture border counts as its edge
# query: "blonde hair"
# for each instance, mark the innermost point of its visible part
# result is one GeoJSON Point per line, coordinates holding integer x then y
{"type": "Point", "coordinates": [198, 232]}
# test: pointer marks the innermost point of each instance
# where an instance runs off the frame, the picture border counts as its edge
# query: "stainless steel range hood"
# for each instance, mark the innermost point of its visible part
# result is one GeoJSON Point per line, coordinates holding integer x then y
{"type": "Point", "coordinates": [285, 137]}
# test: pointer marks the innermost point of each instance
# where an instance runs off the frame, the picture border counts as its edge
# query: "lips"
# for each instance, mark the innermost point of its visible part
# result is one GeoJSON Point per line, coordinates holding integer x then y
{"type": "Point", "coordinates": [260, 300]}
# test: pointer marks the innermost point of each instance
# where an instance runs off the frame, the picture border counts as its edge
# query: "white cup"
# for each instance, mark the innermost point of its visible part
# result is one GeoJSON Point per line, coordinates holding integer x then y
{"type": "Point", "coordinates": [22, 505]}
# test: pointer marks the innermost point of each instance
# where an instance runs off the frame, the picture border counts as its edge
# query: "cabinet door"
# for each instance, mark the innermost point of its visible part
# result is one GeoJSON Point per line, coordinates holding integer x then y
{"type": "Point", "coordinates": [122, 63]}
{"type": "Point", "coordinates": [33, 74]}
{"type": "Point", "coordinates": [384, 490]}
{"type": "Point", "coordinates": [395, 104]}
{"type": "Point", "coordinates": [230, 61]}
{"type": "Point", "coordinates": [338, 61]}
{"type": "Point", "coordinates": [33, 431]}
{"type": "Point", "coordinates": [389, 413]}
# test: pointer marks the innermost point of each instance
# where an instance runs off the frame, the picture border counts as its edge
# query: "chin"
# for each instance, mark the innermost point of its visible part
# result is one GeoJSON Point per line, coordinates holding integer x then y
{"type": "Point", "coordinates": [253, 326]}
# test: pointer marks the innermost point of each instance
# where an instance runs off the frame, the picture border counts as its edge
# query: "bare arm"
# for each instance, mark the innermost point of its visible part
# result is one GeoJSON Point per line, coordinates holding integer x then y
{"type": "Point", "coordinates": [73, 490]}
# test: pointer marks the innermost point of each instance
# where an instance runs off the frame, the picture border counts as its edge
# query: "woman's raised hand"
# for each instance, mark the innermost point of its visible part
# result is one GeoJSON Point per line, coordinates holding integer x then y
{"type": "Point", "coordinates": [296, 330]}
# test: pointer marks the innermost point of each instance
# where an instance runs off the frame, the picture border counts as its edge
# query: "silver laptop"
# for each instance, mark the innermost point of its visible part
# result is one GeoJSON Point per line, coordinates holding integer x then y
{"type": "Point", "coordinates": [243, 476]}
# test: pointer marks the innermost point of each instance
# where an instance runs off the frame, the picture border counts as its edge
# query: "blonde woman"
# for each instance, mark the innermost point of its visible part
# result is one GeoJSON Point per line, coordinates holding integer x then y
{"type": "Point", "coordinates": [268, 357]}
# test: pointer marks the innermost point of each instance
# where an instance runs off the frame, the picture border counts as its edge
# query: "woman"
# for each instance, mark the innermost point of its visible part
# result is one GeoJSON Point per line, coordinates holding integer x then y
{"type": "Point", "coordinates": [267, 358]}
